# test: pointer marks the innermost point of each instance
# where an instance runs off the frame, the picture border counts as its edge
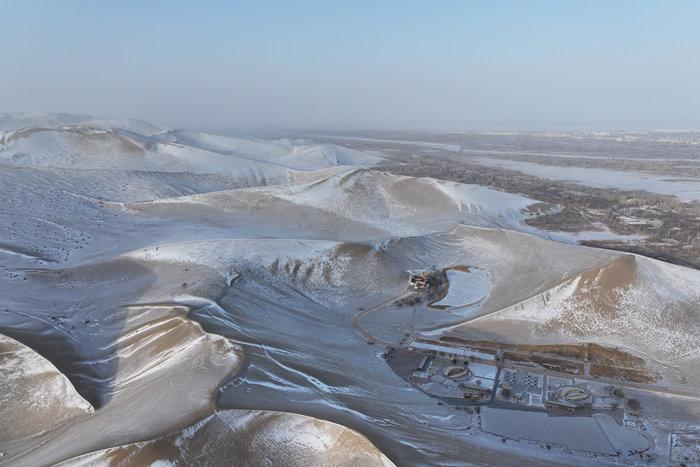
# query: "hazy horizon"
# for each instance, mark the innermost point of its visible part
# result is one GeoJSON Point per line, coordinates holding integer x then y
{"type": "Point", "coordinates": [398, 65]}
{"type": "Point", "coordinates": [210, 256]}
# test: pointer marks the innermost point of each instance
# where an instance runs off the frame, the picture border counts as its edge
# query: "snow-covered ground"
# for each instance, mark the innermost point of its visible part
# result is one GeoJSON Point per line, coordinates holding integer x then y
{"type": "Point", "coordinates": [685, 188]}
{"type": "Point", "coordinates": [154, 277]}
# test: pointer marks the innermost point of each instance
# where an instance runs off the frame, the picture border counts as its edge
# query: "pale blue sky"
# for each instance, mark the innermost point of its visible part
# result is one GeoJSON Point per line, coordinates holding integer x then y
{"type": "Point", "coordinates": [433, 64]}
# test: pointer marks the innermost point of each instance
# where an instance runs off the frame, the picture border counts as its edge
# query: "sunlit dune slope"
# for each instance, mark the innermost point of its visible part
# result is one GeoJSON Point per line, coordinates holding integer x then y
{"type": "Point", "coordinates": [241, 437]}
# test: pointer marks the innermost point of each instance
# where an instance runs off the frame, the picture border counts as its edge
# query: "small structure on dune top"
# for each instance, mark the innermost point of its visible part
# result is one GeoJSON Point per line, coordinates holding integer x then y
{"type": "Point", "coordinates": [422, 280]}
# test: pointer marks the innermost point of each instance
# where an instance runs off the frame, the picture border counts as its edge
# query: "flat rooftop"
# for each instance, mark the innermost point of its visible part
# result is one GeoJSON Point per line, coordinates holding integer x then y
{"type": "Point", "coordinates": [456, 351]}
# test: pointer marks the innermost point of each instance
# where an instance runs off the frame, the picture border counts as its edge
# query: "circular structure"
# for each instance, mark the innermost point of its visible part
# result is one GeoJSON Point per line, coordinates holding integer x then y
{"type": "Point", "coordinates": [575, 395]}
{"type": "Point", "coordinates": [456, 372]}
{"type": "Point", "coordinates": [437, 379]}
{"type": "Point", "coordinates": [569, 398]}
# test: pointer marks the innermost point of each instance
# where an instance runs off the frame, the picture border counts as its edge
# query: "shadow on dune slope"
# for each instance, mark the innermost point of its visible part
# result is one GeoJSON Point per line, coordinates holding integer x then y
{"type": "Point", "coordinates": [73, 317]}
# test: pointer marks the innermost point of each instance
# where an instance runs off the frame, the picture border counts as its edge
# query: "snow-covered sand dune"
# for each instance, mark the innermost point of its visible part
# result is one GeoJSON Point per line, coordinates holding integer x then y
{"type": "Point", "coordinates": [350, 205]}
{"type": "Point", "coordinates": [10, 122]}
{"type": "Point", "coordinates": [546, 293]}
{"type": "Point", "coordinates": [35, 397]}
{"type": "Point", "coordinates": [296, 155]}
{"type": "Point", "coordinates": [157, 283]}
{"type": "Point", "coordinates": [250, 437]}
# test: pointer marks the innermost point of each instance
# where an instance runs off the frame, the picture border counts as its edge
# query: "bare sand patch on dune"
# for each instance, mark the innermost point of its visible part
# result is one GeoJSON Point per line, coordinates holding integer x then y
{"type": "Point", "coordinates": [248, 437]}
{"type": "Point", "coordinates": [167, 374]}
{"type": "Point", "coordinates": [34, 396]}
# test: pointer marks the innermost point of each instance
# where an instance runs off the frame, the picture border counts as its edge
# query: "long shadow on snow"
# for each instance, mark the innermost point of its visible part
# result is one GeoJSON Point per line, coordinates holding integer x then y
{"type": "Point", "coordinates": [74, 317]}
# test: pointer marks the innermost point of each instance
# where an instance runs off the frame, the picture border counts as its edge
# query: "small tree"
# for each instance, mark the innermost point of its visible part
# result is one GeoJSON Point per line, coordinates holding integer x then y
{"type": "Point", "coordinates": [617, 392]}
{"type": "Point", "coordinates": [633, 404]}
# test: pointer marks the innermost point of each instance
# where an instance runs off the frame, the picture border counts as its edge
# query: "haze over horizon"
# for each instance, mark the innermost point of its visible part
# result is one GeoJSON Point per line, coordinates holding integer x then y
{"type": "Point", "coordinates": [462, 65]}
